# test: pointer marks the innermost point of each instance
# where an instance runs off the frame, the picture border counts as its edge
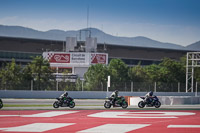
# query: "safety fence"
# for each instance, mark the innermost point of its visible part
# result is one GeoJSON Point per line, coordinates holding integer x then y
{"type": "Point", "coordinates": [84, 86]}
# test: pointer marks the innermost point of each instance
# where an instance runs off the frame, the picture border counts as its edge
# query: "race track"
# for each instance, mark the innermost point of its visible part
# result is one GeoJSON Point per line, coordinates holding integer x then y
{"type": "Point", "coordinates": [100, 121]}
{"type": "Point", "coordinates": [89, 116]}
{"type": "Point", "coordinates": [46, 104]}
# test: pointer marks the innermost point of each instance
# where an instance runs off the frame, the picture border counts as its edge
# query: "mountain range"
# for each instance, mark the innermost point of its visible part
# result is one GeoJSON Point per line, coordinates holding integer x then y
{"type": "Point", "coordinates": [139, 41]}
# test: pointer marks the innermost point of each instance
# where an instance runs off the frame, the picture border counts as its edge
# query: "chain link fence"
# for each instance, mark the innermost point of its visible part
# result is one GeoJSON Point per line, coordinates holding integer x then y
{"type": "Point", "coordinates": [83, 86]}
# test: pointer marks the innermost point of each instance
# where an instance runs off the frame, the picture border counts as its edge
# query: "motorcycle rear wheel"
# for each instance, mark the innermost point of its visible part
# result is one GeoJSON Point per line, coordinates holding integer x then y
{"type": "Point", "coordinates": [107, 105]}
{"type": "Point", "coordinates": [141, 104]}
{"type": "Point", "coordinates": [55, 104]}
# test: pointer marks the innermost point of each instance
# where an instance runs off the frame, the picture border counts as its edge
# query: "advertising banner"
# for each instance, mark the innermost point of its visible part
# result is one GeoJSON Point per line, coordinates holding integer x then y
{"type": "Point", "coordinates": [80, 58]}
{"type": "Point", "coordinates": [98, 58]}
{"type": "Point", "coordinates": [58, 58]}
{"type": "Point", "coordinates": [76, 58]}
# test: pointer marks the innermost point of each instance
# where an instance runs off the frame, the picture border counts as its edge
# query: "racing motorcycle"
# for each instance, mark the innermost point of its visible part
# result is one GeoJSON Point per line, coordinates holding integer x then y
{"type": "Point", "coordinates": [154, 102]}
{"type": "Point", "coordinates": [68, 102]}
{"type": "Point", "coordinates": [120, 102]}
{"type": "Point", "coordinates": [1, 104]}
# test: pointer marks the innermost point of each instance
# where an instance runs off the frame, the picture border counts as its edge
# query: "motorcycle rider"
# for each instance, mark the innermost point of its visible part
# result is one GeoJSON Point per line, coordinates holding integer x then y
{"type": "Point", "coordinates": [149, 97]}
{"type": "Point", "coordinates": [114, 96]}
{"type": "Point", "coordinates": [64, 98]}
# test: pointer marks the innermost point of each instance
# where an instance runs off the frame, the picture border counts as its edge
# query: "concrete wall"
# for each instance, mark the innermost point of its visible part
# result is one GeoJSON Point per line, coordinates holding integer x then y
{"type": "Point", "coordinates": [170, 100]}
{"type": "Point", "coordinates": [79, 94]}
{"type": "Point", "coordinates": [178, 100]}
{"type": "Point", "coordinates": [166, 98]}
{"type": "Point", "coordinates": [51, 94]}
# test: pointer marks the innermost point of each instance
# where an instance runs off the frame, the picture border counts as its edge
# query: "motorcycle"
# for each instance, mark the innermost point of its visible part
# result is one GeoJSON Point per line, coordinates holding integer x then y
{"type": "Point", "coordinates": [153, 103]}
{"type": "Point", "coordinates": [1, 104]}
{"type": "Point", "coordinates": [69, 102]}
{"type": "Point", "coordinates": [120, 102]}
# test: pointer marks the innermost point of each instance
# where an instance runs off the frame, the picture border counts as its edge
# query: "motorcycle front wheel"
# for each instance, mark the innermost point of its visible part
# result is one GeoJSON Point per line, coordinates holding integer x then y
{"type": "Point", "coordinates": [72, 105]}
{"type": "Point", "coordinates": [55, 104]}
{"type": "Point", "coordinates": [107, 105]}
{"type": "Point", "coordinates": [157, 104]}
{"type": "Point", "coordinates": [141, 104]}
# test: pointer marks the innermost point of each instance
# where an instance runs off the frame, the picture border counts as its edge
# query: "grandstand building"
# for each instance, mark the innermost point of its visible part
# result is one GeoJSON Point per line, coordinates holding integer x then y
{"type": "Point", "coordinates": [23, 49]}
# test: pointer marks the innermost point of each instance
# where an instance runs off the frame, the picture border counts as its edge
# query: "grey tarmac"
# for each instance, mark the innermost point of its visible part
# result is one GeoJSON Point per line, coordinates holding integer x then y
{"type": "Point", "coordinates": [46, 104]}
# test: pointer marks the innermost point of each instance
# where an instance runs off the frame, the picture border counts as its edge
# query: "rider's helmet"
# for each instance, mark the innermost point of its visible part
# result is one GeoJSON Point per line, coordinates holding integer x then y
{"type": "Point", "coordinates": [66, 93]}
{"type": "Point", "coordinates": [116, 92]}
{"type": "Point", "coordinates": [151, 93]}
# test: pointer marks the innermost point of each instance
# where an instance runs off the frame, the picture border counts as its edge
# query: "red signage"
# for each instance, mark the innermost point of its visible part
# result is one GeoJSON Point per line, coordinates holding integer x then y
{"type": "Point", "coordinates": [76, 58]}
{"type": "Point", "coordinates": [98, 58]}
{"type": "Point", "coordinates": [59, 58]}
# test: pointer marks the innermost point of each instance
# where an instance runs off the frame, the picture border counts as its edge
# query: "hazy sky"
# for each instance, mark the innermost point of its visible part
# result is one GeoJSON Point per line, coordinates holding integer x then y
{"type": "Point", "coordinates": [174, 21]}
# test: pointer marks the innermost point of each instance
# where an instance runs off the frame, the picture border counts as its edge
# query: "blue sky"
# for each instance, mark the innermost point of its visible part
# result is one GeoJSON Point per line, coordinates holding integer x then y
{"type": "Point", "coordinates": [174, 21]}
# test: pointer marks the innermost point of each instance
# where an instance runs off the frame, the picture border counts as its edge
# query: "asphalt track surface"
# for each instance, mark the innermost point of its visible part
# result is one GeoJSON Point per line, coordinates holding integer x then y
{"type": "Point", "coordinates": [31, 104]}
{"type": "Point", "coordinates": [89, 116]}
{"type": "Point", "coordinates": [100, 121]}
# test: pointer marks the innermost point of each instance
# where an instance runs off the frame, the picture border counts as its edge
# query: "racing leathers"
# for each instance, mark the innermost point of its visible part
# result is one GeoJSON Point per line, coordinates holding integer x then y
{"type": "Point", "coordinates": [149, 97]}
{"type": "Point", "coordinates": [64, 98]}
{"type": "Point", "coordinates": [114, 96]}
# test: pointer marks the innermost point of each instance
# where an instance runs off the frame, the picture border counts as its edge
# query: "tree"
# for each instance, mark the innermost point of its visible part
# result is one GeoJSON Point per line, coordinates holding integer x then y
{"type": "Point", "coordinates": [118, 71]}
{"type": "Point", "coordinates": [174, 70]}
{"type": "Point", "coordinates": [155, 73]}
{"type": "Point", "coordinates": [39, 70]}
{"type": "Point", "coordinates": [79, 84]}
{"type": "Point", "coordinates": [96, 76]}
{"type": "Point", "coordinates": [11, 75]}
{"type": "Point", "coordinates": [137, 73]}
{"type": "Point", "coordinates": [27, 73]}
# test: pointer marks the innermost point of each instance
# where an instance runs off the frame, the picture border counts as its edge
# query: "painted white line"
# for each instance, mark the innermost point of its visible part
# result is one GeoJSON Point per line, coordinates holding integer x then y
{"type": "Point", "coordinates": [114, 128]}
{"type": "Point", "coordinates": [183, 126]}
{"type": "Point", "coordinates": [8, 115]}
{"type": "Point", "coordinates": [50, 114]}
{"type": "Point", "coordinates": [160, 113]}
{"type": "Point", "coordinates": [3, 128]}
{"type": "Point", "coordinates": [45, 114]}
{"type": "Point", "coordinates": [147, 114]}
{"type": "Point", "coordinates": [124, 115]}
{"type": "Point", "coordinates": [36, 127]}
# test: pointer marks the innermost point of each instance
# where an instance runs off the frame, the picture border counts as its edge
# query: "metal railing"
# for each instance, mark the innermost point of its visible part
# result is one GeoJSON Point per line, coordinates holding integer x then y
{"type": "Point", "coordinates": [84, 86]}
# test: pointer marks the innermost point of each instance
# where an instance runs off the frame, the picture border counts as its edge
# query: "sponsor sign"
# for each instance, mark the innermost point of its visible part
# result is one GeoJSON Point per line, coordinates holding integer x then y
{"type": "Point", "coordinates": [98, 58]}
{"type": "Point", "coordinates": [59, 58]}
{"type": "Point", "coordinates": [76, 58]}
